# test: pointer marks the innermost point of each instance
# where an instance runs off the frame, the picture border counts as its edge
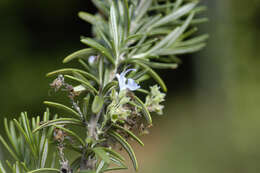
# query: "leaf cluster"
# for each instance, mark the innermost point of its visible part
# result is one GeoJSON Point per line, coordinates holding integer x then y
{"type": "Point", "coordinates": [30, 150]}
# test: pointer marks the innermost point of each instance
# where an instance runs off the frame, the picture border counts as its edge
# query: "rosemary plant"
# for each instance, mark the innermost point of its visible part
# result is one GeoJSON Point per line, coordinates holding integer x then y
{"type": "Point", "coordinates": [107, 101]}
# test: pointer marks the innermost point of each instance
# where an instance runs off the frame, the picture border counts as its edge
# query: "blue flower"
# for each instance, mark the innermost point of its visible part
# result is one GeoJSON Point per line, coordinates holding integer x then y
{"type": "Point", "coordinates": [91, 59]}
{"type": "Point", "coordinates": [125, 83]}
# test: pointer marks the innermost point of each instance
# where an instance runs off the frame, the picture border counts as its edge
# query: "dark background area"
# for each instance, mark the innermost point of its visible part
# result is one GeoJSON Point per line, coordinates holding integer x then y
{"type": "Point", "coordinates": [211, 121]}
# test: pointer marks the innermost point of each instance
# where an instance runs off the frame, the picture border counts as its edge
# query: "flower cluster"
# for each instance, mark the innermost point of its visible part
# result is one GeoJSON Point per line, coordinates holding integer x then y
{"type": "Point", "coordinates": [154, 99]}
{"type": "Point", "coordinates": [118, 109]}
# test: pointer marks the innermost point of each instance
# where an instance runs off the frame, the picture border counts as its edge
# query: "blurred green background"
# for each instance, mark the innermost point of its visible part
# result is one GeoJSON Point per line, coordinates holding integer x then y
{"type": "Point", "coordinates": [212, 116]}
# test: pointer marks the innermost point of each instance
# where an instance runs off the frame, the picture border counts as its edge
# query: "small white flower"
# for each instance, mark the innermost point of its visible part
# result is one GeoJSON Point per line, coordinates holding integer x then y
{"type": "Point", "coordinates": [125, 83]}
{"type": "Point", "coordinates": [91, 59]}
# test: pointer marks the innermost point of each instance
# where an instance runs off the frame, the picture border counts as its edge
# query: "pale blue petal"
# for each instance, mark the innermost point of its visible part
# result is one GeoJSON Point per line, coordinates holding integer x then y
{"type": "Point", "coordinates": [91, 59]}
{"type": "Point", "coordinates": [121, 81]}
{"type": "Point", "coordinates": [132, 85]}
{"type": "Point", "coordinates": [127, 71]}
{"type": "Point", "coordinates": [126, 83]}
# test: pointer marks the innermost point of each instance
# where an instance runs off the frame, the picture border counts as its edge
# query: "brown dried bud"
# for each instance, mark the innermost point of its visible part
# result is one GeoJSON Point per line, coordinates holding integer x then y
{"type": "Point", "coordinates": [57, 83]}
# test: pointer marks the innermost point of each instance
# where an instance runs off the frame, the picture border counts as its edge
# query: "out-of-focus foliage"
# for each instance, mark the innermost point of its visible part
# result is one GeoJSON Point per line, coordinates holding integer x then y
{"type": "Point", "coordinates": [29, 150]}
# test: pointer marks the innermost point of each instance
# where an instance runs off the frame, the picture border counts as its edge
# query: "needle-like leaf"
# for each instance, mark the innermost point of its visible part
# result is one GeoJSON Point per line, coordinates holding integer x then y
{"type": "Point", "coordinates": [63, 107]}
{"type": "Point", "coordinates": [126, 146]}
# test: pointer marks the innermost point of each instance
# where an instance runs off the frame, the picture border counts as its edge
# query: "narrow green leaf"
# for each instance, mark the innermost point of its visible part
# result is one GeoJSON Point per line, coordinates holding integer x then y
{"type": "Point", "coordinates": [80, 76]}
{"type": "Point", "coordinates": [195, 40]}
{"type": "Point", "coordinates": [2, 168]}
{"type": "Point", "coordinates": [71, 70]}
{"type": "Point", "coordinates": [153, 74]}
{"type": "Point", "coordinates": [87, 84]}
{"type": "Point", "coordinates": [109, 86]}
{"type": "Point", "coordinates": [182, 50]}
{"type": "Point", "coordinates": [142, 91]}
{"type": "Point", "coordinates": [126, 146]}
{"type": "Point", "coordinates": [158, 65]}
{"type": "Point", "coordinates": [159, 31]}
{"type": "Point", "coordinates": [146, 44]}
{"type": "Point", "coordinates": [177, 5]}
{"type": "Point", "coordinates": [45, 170]}
{"type": "Point", "coordinates": [181, 30]}
{"type": "Point", "coordinates": [115, 169]}
{"type": "Point", "coordinates": [107, 76]}
{"type": "Point", "coordinates": [71, 133]}
{"type": "Point", "coordinates": [25, 167]}
{"type": "Point", "coordinates": [44, 153]}
{"type": "Point", "coordinates": [102, 35]}
{"type": "Point", "coordinates": [36, 135]}
{"type": "Point", "coordinates": [51, 129]}
{"type": "Point", "coordinates": [188, 33]}
{"type": "Point", "coordinates": [27, 139]}
{"type": "Point", "coordinates": [9, 165]}
{"type": "Point", "coordinates": [90, 18]}
{"type": "Point", "coordinates": [8, 148]}
{"type": "Point", "coordinates": [104, 51]}
{"type": "Point", "coordinates": [142, 9]}
{"type": "Point", "coordinates": [139, 74]}
{"type": "Point", "coordinates": [117, 161]}
{"type": "Point", "coordinates": [42, 142]}
{"type": "Point", "coordinates": [87, 171]}
{"type": "Point", "coordinates": [200, 9]}
{"type": "Point", "coordinates": [157, 7]}
{"type": "Point", "coordinates": [101, 6]}
{"type": "Point", "coordinates": [170, 59]}
{"type": "Point", "coordinates": [53, 160]}
{"type": "Point", "coordinates": [84, 54]}
{"type": "Point", "coordinates": [147, 27]}
{"type": "Point", "coordinates": [113, 153]}
{"type": "Point", "coordinates": [17, 167]}
{"type": "Point", "coordinates": [63, 107]}
{"type": "Point", "coordinates": [176, 14]}
{"type": "Point", "coordinates": [133, 38]}
{"type": "Point", "coordinates": [127, 20]}
{"type": "Point", "coordinates": [76, 164]}
{"type": "Point", "coordinates": [199, 20]}
{"type": "Point", "coordinates": [84, 64]}
{"type": "Point", "coordinates": [114, 26]}
{"type": "Point", "coordinates": [101, 166]}
{"type": "Point", "coordinates": [145, 111]}
{"type": "Point", "coordinates": [71, 121]}
{"type": "Point", "coordinates": [172, 37]}
{"type": "Point", "coordinates": [163, 42]}
{"type": "Point", "coordinates": [101, 70]}
{"type": "Point", "coordinates": [97, 104]}
{"type": "Point", "coordinates": [22, 145]}
{"type": "Point", "coordinates": [100, 152]}
{"type": "Point", "coordinates": [86, 105]}
{"type": "Point", "coordinates": [11, 135]}
{"type": "Point", "coordinates": [143, 78]}
{"type": "Point", "coordinates": [132, 135]}
{"type": "Point", "coordinates": [28, 129]}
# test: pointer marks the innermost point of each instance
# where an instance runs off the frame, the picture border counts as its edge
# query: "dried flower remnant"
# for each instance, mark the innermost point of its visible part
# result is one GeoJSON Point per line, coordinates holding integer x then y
{"type": "Point", "coordinates": [59, 137]}
{"type": "Point", "coordinates": [57, 83]}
